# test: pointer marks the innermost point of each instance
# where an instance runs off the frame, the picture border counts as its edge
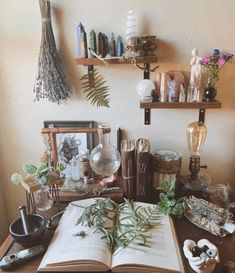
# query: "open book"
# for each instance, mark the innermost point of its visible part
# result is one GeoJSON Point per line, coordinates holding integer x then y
{"type": "Point", "coordinates": [68, 252]}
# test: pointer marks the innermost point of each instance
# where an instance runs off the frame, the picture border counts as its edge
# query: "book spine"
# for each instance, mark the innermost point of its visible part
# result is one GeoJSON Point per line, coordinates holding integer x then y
{"type": "Point", "coordinates": [143, 186]}
{"type": "Point", "coordinates": [128, 173]}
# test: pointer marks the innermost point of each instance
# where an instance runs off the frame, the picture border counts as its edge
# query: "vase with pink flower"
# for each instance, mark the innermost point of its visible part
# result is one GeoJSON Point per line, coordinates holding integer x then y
{"type": "Point", "coordinates": [213, 64]}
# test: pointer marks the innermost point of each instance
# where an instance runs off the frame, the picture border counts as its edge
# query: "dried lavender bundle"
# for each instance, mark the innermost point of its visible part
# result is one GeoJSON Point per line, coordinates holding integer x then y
{"type": "Point", "coordinates": [50, 80]}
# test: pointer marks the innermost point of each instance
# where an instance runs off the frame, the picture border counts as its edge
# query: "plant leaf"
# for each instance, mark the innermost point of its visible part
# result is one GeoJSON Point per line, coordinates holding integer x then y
{"type": "Point", "coordinates": [16, 178]}
{"type": "Point", "coordinates": [95, 89]}
{"type": "Point", "coordinates": [29, 168]}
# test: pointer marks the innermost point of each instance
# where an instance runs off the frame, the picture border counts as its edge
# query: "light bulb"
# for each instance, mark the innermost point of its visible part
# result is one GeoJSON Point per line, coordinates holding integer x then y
{"type": "Point", "coordinates": [197, 181]}
{"type": "Point", "coordinates": [145, 88]}
{"type": "Point", "coordinates": [196, 135]}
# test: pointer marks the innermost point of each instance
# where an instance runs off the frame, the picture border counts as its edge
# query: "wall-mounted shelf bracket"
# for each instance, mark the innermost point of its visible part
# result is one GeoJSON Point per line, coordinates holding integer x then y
{"type": "Point", "coordinates": [90, 69]}
{"type": "Point", "coordinates": [202, 113]}
{"type": "Point", "coordinates": [147, 114]}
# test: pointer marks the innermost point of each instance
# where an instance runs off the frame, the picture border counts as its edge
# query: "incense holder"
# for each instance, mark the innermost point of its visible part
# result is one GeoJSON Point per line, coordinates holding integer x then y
{"type": "Point", "coordinates": [202, 256]}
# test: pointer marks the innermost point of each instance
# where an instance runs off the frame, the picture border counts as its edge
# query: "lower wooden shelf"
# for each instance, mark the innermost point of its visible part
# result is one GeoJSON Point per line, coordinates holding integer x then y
{"type": "Point", "coordinates": [147, 106]}
{"type": "Point", "coordinates": [181, 105]}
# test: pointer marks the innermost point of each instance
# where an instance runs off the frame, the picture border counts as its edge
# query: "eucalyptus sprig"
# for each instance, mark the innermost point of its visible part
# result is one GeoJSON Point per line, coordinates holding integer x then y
{"type": "Point", "coordinates": [169, 204]}
{"type": "Point", "coordinates": [120, 225]}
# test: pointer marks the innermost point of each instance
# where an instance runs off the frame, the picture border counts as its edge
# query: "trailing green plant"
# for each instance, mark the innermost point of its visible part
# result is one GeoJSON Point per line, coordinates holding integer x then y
{"type": "Point", "coordinates": [40, 173]}
{"type": "Point", "coordinates": [169, 204]}
{"type": "Point", "coordinates": [93, 85]}
{"type": "Point", "coordinates": [120, 225]}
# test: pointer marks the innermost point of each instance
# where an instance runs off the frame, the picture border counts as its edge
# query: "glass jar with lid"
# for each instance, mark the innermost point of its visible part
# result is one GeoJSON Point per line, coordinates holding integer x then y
{"type": "Point", "coordinates": [166, 163]}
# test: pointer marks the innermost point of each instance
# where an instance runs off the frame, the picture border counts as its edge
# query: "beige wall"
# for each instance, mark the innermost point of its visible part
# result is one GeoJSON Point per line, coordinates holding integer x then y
{"type": "Point", "coordinates": [180, 25]}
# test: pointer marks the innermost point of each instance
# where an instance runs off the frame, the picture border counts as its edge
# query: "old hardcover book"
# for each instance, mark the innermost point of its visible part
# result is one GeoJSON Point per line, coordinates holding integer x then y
{"type": "Point", "coordinates": [67, 253]}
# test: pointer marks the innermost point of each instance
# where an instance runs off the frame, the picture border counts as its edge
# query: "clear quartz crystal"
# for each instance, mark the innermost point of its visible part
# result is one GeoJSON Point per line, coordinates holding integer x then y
{"type": "Point", "coordinates": [182, 94]}
{"type": "Point", "coordinates": [105, 158]}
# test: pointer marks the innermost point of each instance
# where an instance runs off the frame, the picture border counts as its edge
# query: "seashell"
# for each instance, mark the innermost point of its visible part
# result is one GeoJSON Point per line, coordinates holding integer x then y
{"type": "Point", "coordinates": [131, 29]}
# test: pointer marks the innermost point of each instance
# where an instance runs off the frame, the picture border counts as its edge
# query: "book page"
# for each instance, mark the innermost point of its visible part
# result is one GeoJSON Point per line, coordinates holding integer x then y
{"type": "Point", "coordinates": [161, 253]}
{"type": "Point", "coordinates": [68, 249]}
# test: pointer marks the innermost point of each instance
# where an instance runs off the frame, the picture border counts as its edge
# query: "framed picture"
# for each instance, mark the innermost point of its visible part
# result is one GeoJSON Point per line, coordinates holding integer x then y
{"type": "Point", "coordinates": [69, 145]}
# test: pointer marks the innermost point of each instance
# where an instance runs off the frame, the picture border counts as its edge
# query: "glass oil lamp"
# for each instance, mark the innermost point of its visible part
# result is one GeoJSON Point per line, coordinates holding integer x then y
{"type": "Point", "coordinates": [196, 134]}
{"type": "Point", "coordinates": [105, 159]}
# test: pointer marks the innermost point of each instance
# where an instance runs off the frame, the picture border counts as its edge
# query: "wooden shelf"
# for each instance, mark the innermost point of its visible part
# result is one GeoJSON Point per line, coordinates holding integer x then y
{"type": "Point", "coordinates": [181, 105]}
{"type": "Point", "coordinates": [95, 61]}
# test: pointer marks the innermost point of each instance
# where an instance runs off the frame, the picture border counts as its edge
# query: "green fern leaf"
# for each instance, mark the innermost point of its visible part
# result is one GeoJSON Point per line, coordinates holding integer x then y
{"type": "Point", "coordinates": [95, 89]}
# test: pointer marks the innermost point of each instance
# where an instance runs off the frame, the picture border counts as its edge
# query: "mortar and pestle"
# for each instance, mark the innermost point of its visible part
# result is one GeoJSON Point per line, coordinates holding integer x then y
{"type": "Point", "coordinates": [28, 229]}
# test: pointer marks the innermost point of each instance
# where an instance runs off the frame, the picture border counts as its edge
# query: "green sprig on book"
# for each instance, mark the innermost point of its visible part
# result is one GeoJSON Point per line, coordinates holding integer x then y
{"type": "Point", "coordinates": [120, 224]}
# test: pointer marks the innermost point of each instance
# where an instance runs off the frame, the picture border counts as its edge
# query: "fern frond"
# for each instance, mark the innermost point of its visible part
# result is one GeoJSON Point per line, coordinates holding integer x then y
{"type": "Point", "coordinates": [95, 89]}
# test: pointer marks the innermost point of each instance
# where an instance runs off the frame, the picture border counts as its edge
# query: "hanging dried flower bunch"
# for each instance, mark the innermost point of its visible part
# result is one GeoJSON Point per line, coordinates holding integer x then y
{"type": "Point", "coordinates": [50, 80]}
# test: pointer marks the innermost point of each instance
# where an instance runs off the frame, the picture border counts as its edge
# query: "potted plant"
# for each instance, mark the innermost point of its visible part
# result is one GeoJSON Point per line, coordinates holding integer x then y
{"type": "Point", "coordinates": [39, 179]}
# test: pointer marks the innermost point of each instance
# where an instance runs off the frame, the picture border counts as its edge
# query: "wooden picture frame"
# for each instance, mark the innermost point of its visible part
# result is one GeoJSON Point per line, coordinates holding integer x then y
{"type": "Point", "coordinates": [73, 124]}
{"type": "Point", "coordinates": [68, 139]}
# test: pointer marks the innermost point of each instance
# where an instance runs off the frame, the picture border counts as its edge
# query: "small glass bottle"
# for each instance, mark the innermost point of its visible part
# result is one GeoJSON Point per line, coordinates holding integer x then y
{"type": "Point", "coordinates": [190, 93]}
{"type": "Point", "coordinates": [43, 199]}
{"type": "Point", "coordinates": [75, 172]}
{"type": "Point", "coordinates": [85, 166]}
{"type": "Point", "coordinates": [105, 158]}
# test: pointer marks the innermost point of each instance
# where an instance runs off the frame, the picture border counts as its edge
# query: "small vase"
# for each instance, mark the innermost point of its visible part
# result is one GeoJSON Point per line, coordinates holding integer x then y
{"type": "Point", "coordinates": [210, 92]}
{"type": "Point", "coordinates": [43, 199]}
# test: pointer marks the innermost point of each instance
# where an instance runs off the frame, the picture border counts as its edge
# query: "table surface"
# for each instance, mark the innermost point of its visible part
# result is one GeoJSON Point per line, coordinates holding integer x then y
{"type": "Point", "coordinates": [184, 230]}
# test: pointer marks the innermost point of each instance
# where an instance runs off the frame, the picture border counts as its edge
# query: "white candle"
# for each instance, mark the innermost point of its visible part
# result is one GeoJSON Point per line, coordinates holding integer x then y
{"type": "Point", "coordinates": [163, 87]}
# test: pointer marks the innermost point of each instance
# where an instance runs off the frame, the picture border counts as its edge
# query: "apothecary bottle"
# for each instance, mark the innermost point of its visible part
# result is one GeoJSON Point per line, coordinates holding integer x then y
{"type": "Point", "coordinates": [104, 158]}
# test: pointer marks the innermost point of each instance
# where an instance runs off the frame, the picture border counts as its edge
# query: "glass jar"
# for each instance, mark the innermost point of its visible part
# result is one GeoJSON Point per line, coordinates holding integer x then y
{"type": "Point", "coordinates": [43, 199]}
{"type": "Point", "coordinates": [85, 167]}
{"type": "Point", "coordinates": [166, 163]}
{"type": "Point", "coordinates": [104, 158]}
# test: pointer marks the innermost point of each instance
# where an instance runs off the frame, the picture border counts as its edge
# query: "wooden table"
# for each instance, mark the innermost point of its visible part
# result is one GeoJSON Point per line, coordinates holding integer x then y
{"type": "Point", "coordinates": [184, 230]}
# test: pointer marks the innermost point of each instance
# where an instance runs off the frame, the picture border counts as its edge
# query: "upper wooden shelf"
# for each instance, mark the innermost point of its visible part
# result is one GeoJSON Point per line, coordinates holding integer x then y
{"type": "Point", "coordinates": [181, 105]}
{"type": "Point", "coordinates": [95, 61]}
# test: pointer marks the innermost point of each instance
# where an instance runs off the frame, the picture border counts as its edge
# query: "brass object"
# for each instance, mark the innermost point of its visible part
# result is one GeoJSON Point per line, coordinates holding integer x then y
{"type": "Point", "coordinates": [143, 45]}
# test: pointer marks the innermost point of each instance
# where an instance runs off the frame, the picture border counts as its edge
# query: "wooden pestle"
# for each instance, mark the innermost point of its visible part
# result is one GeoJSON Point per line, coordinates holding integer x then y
{"type": "Point", "coordinates": [25, 219]}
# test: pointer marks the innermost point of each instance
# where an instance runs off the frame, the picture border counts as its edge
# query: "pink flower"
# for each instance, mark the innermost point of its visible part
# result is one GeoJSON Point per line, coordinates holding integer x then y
{"type": "Point", "coordinates": [205, 60]}
{"type": "Point", "coordinates": [220, 62]}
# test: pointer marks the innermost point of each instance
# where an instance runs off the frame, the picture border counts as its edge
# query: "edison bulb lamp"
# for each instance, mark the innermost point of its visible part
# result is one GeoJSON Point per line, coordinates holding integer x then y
{"type": "Point", "coordinates": [196, 135]}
